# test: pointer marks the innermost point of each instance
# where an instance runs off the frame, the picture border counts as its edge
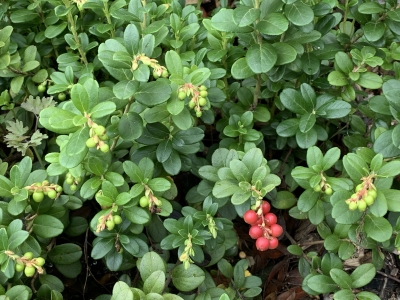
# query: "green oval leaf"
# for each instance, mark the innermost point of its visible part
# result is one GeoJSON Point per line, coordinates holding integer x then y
{"type": "Point", "coordinates": [47, 226]}
{"type": "Point", "coordinates": [261, 58]}
{"type": "Point", "coordinates": [187, 280]}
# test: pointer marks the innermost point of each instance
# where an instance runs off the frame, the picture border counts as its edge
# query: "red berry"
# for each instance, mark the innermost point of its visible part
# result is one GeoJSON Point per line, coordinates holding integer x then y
{"type": "Point", "coordinates": [262, 244]}
{"type": "Point", "coordinates": [276, 230]}
{"type": "Point", "coordinates": [255, 232]}
{"type": "Point", "coordinates": [266, 207]}
{"type": "Point", "coordinates": [270, 218]}
{"type": "Point", "coordinates": [273, 243]}
{"type": "Point", "coordinates": [250, 217]}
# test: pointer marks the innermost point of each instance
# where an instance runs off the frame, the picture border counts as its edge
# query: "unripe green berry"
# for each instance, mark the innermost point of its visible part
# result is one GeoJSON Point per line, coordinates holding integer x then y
{"type": "Point", "coordinates": [29, 271]}
{"type": "Point", "coordinates": [353, 205]}
{"type": "Point", "coordinates": [45, 182]}
{"type": "Point", "coordinates": [110, 224]}
{"type": "Point", "coordinates": [28, 255]}
{"type": "Point", "coordinates": [38, 196]}
{"type": "Point", "coordinates": [362, 205]}
{"type": "Point", "coordinates": [117, 219]}
{"type": "Point", "coordinates": [144, 201]}
{"type": "Point", "coordinates": [369, 200]}
{"type": "Point", "coordinates": [78, 179]}
{"type": "Point", "coordinates": [69, 181]}
{"type": "Point", "coordinates": [328, 191]}
{"type": "Point", "coordinates": [202, 101]}
{"type": "Point", "coordinates": [192, 104]}
{"type": "Point", "coordinates": [104, 148]}
{"type": "Point", "coordinates": [69, 175]}
{"type": "Point", "coordinates": [203, 88]}
{"type": "Point", "coordinates": [52, 194]}
{"type": "Point", "coordinates": [182, 95]}
{"type": "Point", "coordinates": [155, 75]}
{"type": "Point", "coordinates": [41, 88]}
{"type": "Point", "coordinates": [61, 96]}
{"type": "Point", "coordinates": [73, 187]}
{"type": "Point", "coordinates": [40, 261]}
{"type": "Point", "coordinates": [19, 267]}
{"type": "Point", "coordinates": [146, 61]}
{"type": "Point", "coordinates": [103, 137]}
{"type": "Point", "coordinates": [372, 193]}
{"type": "Point", "coordinates": [317, 188]}
{"type": "Point", "coordinates": [199, 113]}
{"type": "Point", "coordinates": [359, 187]}
{"type": "Point", "coordinates": [203, 93]}
{"type": "Point", "coordinates": [99, 130]}
{"type": "Point", "coordinates": [90, 143]}
{"type": "Point", "coordinates": [164, 74]}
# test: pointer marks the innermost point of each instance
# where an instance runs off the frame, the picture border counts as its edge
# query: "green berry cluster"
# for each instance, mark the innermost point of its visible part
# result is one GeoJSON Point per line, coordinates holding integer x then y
{"type": "Point", "coordinates": [28, 264]}
{"type": "Point", "coordinates": [97, 137]}
{"type": "Point", "coordinates": [151, 202]}
{"type": "Point", "coordinates": [72, 181]}
{"type": "Point", "coordinates": [40, 189]}
{"type": "Point", "coordinates": [323, 187]}
{"type": "Point", "coordinates": [158, 70]}
{"type": "Point", "coordinates": [364, 196]}
{"type": "Point", "coordinates": [198, 95]}
{"type": "Point", "coordinates": [108, 221]}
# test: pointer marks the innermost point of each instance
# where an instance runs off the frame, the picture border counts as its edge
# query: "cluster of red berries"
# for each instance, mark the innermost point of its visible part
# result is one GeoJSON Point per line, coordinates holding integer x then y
{"type": "Point", "coordinates": [263, 227]}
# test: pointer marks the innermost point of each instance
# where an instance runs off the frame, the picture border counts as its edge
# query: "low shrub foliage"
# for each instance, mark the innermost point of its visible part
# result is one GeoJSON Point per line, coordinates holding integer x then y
{"type": "Point", "coordinates": [148, 128]}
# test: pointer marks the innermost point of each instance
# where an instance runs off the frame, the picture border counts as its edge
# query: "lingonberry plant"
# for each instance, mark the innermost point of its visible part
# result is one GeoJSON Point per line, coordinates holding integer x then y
{"type": "Point", "coordinates": [142, 136]}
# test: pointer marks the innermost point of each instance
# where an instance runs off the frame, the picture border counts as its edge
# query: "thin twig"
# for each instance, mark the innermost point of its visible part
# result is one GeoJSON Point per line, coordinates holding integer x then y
{"type": "Point", "coordinates": [87, 266]}
{"type": "Point", "coordinates": [311, 243]}
{"type": "Point", "coordinates": [33, 282]}
{"type": "Point", "coordinates": [169, 278]}
{"type": "Point", "coordinates": [292, 240]}
{"type": "Point", "coordinates": [283, 183]}
{"type": "Point", "coordinates": [382, 293]}
{"type": "Point", "coordinates": [388, 276]}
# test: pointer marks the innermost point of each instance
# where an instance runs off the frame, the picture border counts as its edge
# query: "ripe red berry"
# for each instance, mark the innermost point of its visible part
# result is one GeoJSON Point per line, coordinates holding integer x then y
{"type": "Point", "coordinates": [250, 217]}
{"type": "Point", "coordinates": [255, 232]}
{"type": "Point", "coordinates": [266, 207]}
{"type": "Point", "coordinates": [273, 243]}
{"type": "Point", "coordinates": [270, 218]}
{"type": "Point", "coordinates": [276, 230]}
{"type": "Point", "coordinates": [262, 244]}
